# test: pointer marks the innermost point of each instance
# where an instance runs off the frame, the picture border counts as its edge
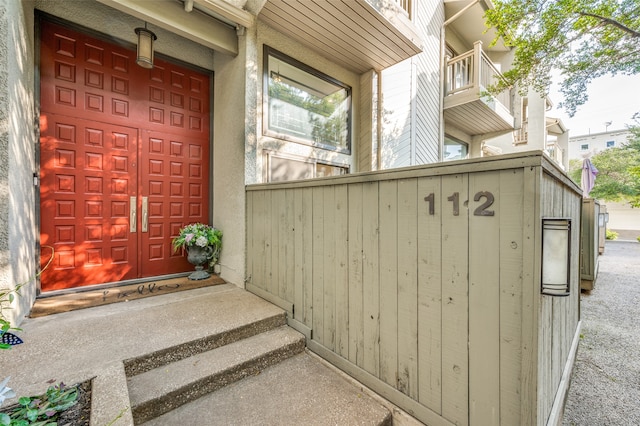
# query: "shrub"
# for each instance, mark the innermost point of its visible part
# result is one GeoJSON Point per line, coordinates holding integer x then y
{"type": "Point", "coordinates": [42, 409]}
{"type": "Point", "coordinates": [611, 235]}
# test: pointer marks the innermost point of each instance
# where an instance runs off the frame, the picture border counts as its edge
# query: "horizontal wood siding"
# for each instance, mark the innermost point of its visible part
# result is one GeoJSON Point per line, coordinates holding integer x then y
{"type": "Point", "coordinates": [396, 121]}
{"type": "Point", "coordinates": [425, 282]}
{"type": "Point", "coordinates": [430, 16]}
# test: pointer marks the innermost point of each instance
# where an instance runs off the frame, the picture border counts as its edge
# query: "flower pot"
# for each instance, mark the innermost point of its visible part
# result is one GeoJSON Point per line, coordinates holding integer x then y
{"type": "Point", "coordinates": [199, 256]}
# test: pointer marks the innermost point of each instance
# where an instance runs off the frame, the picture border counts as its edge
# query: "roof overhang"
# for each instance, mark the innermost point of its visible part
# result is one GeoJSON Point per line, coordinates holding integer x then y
{"type": "Point", "coordinates": [470, 26]}
{"type": "Point", "coordinates": [352, 33]}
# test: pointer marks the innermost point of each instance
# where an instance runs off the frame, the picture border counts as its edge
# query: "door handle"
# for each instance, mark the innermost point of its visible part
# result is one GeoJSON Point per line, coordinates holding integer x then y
{"type": "Point", "coordinates": [133, 213]}
{"type": "Point", "coordinates": [145, 214]}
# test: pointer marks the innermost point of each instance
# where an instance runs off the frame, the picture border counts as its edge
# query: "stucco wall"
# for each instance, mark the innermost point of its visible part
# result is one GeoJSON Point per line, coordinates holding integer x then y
{"type": "Point", "coordinates": [17, 164]}
{"type": "Point", "coordinates": [120, 26]}
{"type": "Point", "coordinates": [230, 134]}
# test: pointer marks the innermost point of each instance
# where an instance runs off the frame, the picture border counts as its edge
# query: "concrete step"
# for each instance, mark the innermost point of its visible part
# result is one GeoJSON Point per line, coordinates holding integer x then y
{"type": "Point", "coordinates": [171, 385]}
{"type": "Point", "coordinates": [143, 363]}
{"type": "Point", "coordinates": [300, 390]}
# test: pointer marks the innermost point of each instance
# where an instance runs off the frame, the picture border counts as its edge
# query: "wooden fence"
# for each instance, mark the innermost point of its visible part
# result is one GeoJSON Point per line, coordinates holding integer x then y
{"type": "Point", "coordinates": [424, 283]}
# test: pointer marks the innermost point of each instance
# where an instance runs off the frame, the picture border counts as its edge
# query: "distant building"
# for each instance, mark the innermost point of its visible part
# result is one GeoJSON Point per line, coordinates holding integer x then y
{"type": "Point", "coordinates": [622, 217]}
{"type": "Point", "coordinates": [587, 145]}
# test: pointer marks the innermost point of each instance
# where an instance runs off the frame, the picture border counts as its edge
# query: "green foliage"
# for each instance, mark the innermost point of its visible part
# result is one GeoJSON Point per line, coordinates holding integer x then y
{"type": "Point", "coordinates": [201, 235]}
{"type": "Point", "coordinates": [618, 176]}
{"type": "Point", "coordinates": [42, 409]}
{"type": "Point", "coordinates": [197, 234]}
{"type": "Point", "coordinates": [7, 297]}
{"type": "Point", "coordinates": [611, 235]}
{"type": "Point", "coordinates": [583, 39]}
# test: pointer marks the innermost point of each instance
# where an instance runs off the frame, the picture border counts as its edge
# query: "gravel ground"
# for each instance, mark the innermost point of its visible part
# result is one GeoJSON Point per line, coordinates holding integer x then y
{"type": "Point", "coordinates": [605, 386]}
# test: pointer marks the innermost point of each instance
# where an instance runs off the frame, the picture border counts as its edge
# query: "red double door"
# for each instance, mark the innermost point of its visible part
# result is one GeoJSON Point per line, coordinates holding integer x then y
{"type": "Point", "coordinates": [124, 160]}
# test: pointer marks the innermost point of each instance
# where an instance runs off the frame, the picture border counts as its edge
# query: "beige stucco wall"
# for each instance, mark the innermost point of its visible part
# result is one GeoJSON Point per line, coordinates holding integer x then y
{"type": "Point", "coordinates": [120, 26]}
{"type": "Point", "coordinates": [231, 157]}
{"type": "Point", "coordinates": [17, 138]}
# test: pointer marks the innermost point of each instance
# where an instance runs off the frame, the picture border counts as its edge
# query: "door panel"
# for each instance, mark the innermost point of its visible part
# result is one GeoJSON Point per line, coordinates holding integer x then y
{"type": "Point", "coordinates": [88, 176]}
{"type": "Point", "coordinates": [103, 118]}
{"type": "Point", "coordinates": [175, 183]}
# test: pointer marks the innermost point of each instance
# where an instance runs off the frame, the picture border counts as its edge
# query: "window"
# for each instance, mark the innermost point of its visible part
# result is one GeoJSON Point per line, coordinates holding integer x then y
{"type": "Point", "coordinates": [304, 105]}
{"type": "Point", "coordinates": [584, 147]}
{"type": "Point", "coordinates": [611, 144]}
{"type": "Point", "coordinates": [284, 167]}
{"type": "Point", "coordinates": [454, 149]}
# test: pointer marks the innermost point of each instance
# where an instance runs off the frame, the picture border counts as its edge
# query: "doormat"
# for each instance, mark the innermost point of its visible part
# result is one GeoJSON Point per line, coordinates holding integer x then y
{"type": "Point", "coordinates": [104, 296]}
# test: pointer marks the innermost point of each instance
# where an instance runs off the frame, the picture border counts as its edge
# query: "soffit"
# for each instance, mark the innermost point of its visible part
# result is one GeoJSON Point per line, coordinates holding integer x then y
{"type": "Point", "coordinates": [352, 33]}
{"type": "Point", "coordinates": [470, 26]}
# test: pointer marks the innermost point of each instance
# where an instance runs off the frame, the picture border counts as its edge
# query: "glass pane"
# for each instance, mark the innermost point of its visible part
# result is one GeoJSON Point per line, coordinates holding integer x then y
{"type": "Point", "coordinates": [454, 149]}
{"type": "Point", "coordinates": [308, 107]}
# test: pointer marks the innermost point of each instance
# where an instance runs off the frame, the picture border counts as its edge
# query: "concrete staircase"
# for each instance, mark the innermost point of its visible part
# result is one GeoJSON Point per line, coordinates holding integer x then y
{"type": "Point", "coordinates": [209, 356]}
{"type": "Point", "coordinates": [253, 373]}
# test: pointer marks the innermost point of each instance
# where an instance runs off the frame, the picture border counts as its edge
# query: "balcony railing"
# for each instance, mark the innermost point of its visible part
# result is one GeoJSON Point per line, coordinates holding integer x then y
{"type": "Point", "coordinates": [467, 104]}
{"type": "Point", "coordinates": [463, 75]}
{"type": "Point", "coordinates": [405, 5]}
{"type": "Point", "coordinates": [521, 135]}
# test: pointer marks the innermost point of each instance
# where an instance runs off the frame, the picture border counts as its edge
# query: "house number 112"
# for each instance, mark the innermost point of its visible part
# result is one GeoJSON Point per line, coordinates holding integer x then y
{"type": "Point", "coordinates": [481, 210]}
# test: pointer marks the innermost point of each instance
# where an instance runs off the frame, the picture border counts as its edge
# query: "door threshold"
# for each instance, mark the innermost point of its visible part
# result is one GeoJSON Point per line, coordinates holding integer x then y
{"type": "Point", "coordinates": [105, 295]}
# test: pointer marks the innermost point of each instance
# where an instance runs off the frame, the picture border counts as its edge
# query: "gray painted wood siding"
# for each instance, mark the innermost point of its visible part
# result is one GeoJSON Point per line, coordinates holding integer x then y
{"type": "Point", "coordinates": [439, 312]}
{"type": "Point", "coordinates": [397, 104]}
{"type": "Point", "coordinates": [429, 21]}
{"type": "Point", "coordinates": [411, 93]}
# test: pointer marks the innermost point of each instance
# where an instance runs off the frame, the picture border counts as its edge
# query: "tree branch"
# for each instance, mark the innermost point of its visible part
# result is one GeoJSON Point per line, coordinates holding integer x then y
{"type": "Point", "coordinates": [613, 22]}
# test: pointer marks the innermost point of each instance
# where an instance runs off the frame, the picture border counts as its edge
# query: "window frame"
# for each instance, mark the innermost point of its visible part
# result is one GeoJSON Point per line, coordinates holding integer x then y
{"type": "Point", "coordinates": [266, 131]}
{"type": "Point", "coordinates": [270, 155]}
{"type": "Point", "coordinates": [457, 142]}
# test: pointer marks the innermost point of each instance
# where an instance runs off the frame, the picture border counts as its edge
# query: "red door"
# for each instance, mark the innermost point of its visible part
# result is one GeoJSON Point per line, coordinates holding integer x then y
{"type": "Point", "coordinates": [124, 160]}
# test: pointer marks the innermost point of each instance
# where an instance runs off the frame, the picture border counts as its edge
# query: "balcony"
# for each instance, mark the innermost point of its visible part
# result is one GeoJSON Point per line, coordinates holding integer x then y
{"type": "Point", "coordinates": [359, 35]}
{"type": "Point", "coordinates": [467, 106]}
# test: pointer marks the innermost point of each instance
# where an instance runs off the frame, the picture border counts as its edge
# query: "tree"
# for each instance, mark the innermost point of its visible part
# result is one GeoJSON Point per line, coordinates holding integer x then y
{"type": "Point", "coordinates": [618, 176]}
{"type": "Point", "coordinates": [583, 39]}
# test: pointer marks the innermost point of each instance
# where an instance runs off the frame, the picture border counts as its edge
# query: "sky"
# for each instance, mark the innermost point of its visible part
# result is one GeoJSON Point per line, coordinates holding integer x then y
{"type": "Point", "coordinates": [613, 99]}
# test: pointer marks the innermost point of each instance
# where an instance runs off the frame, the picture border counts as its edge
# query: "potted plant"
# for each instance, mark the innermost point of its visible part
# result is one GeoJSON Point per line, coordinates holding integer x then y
{"type": "Point", "coordinates": [202, 244]}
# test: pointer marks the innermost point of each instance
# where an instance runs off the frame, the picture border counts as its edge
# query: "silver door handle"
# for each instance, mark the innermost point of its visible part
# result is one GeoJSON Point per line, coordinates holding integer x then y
{"type": "Point", "coordinates": [133, 213]}
{"type": "Point", "coordinates": [145, 214]}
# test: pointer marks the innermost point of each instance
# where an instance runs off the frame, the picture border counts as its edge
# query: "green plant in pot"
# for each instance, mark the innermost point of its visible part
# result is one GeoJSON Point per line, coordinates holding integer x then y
{"type": "Point", "coordinates": [202, 244]}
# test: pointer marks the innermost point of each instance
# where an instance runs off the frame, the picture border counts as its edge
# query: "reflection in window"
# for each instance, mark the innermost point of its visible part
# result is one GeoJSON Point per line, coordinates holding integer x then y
{"type": "Point", "coordinates": [454, 149]}
{"type": "Point", "coordinates": [611, 144]}
{"type": "Point", "coordinates": [305, 105]}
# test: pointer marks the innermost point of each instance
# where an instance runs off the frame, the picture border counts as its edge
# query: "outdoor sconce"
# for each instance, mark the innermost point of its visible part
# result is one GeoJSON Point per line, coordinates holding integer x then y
{"type": "Point", "coordinates": [145, 47]}
{"type": "Point", "coordinates": [556, 254]}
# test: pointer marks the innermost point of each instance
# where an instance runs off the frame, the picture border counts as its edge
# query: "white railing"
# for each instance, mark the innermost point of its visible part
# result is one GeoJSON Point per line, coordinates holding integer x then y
{"type": "Point", "coordinates": [521, 135]}
{"type": "Point", "coordinates": [463, 74]}
{"type": "Point", "coordinates": [405, 5]}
